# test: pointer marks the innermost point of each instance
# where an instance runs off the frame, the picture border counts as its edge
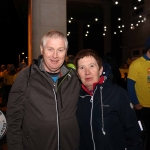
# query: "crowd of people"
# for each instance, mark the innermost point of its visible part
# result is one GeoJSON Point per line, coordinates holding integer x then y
{"type": "Point", "coordinates": [82, 102]}
{"type": "Point", "coordinates": [7, 77]}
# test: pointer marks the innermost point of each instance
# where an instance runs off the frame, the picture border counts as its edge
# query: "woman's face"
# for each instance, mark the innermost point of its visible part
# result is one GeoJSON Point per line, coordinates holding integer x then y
{"type": "Point", "coordinates": [89, 71]}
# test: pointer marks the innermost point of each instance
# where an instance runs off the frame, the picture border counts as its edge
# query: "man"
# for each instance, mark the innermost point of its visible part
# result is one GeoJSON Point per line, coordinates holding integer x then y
{"type": "Point", "coordinates": [111, 69]}
{"type": "Point", "coordinates": [138, 84]}
{"type": "Point", "coordinates": [42, 102]}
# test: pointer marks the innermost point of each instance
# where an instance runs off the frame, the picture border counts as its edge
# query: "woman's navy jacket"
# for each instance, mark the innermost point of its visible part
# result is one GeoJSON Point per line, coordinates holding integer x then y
{"type": "Point", "coordinates": [107, 119]}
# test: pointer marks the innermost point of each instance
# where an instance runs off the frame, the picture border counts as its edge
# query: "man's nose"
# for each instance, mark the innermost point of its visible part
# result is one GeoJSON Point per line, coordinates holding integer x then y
{"type": "Point", "coordinates": [55, 54]}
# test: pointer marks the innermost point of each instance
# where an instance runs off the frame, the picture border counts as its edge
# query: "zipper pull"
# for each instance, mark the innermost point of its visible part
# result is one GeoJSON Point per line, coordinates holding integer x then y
{"type": "Point", "coordinates": [91, 100]}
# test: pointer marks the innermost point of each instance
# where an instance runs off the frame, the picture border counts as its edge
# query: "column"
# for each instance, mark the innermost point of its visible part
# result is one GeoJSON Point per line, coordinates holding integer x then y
{"type": "Point", "coordinates": [43, 16]}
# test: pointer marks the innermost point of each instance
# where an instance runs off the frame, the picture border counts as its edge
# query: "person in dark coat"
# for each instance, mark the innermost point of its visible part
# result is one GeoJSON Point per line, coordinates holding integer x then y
{"type": "Point", "coordinates": [41, 111]}
{"type": "Point", "coordinates": [115, 75]}
{"type": "Point", "coordinates": [105, 114]}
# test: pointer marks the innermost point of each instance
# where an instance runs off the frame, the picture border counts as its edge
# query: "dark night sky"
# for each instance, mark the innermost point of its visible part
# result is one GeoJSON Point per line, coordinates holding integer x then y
{"type": "Point", "coordinates": [13, 33]}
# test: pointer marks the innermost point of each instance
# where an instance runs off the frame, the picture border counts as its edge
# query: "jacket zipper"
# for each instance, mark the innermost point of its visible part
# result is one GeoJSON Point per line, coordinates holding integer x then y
{"type": "Point", "coordinates": [91, 100]}
{"type": "Point", "coordinates": [57, 117]}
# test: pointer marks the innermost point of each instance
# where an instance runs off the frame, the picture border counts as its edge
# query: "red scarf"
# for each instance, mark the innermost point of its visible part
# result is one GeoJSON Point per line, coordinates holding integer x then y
{"type": "Point", "coordinates": [101, 80]}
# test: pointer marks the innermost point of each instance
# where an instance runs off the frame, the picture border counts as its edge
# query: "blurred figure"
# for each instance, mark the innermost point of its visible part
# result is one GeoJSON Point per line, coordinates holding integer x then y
{"type": "Point", "coordinates": [8, 79]}
{"type": "Point", "coordinates": [2, 73]}
{"type": "Point", "coordinates": [22, 65]}
{"type": "Point", "coordinates": [109, 64]}
{"type": "Point", "coordinates": [70, 61]}
{"type": "Point", "coordinates": [124, 73]}
{"type": "Point", "coordinates": [3, 70]}
{"type": "Point", "coordinates": [105, 114]}
{"type": "Point", "coordinates": [138, 85]}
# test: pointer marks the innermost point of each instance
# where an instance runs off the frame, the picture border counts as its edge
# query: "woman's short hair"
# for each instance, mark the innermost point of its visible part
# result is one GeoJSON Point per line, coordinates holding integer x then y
{"type": "Point", "coordinates": [88, 52]}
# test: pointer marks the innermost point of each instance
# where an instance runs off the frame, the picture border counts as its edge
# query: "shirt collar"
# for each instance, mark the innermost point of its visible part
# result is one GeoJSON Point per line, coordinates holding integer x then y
{"type": "Point", "coordinates": [146, 57]}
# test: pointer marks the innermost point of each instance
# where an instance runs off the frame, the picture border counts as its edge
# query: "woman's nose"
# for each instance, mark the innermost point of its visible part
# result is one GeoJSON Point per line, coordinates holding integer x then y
{"type": "Point", "coordinates": [87, 71]}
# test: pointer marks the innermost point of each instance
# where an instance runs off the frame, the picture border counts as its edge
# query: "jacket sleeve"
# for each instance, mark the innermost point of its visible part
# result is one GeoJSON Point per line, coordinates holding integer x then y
{"type": "Point", "coordinates": [132, 92]}
{"type": "Point", "coordinates": [129, 121]}
{"type": "Point", "coordinates": [15, 111]}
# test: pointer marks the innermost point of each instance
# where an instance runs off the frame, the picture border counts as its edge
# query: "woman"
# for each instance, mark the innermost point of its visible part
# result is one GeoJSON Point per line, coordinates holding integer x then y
{"type": "Point", "coordinates": [106, 117]}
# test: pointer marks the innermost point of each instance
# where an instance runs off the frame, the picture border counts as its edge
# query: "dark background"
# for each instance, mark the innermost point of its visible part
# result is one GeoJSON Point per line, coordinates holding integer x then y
{"type": "Point", "coordinates": [14, 32]}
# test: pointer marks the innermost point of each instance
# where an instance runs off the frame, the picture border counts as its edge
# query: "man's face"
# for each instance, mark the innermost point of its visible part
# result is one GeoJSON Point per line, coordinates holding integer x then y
{"type": "Point", "coordinates": [54, 53]}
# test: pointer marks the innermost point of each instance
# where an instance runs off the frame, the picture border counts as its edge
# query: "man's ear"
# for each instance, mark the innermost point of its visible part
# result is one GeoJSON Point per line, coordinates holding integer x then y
{"type": "Point", "coordinates": [41, 48]}
{"type": "Point", "coordinates": [101, 71]}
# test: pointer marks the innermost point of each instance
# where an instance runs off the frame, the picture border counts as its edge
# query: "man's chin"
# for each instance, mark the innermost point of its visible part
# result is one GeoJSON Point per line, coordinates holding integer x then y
{"type": "Point", "coordinates": [54, 70]}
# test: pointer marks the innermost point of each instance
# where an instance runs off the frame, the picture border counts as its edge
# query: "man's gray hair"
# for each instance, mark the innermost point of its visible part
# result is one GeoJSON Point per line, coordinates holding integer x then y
{"type": "Point", "coordinates": [54, 34]}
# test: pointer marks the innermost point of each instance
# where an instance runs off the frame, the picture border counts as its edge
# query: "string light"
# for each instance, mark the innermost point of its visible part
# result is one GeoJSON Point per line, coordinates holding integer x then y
{"type": "Point", "coordinates": [116, 2]}
{"type": "Point", "coordinates": [96, 19]}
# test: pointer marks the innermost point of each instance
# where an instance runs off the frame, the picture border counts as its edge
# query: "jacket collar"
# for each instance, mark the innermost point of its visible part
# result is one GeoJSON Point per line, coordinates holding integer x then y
{"type": "Point", "coordinates": [101, 81]}
{"type": "Point", "coordinates": [39, 63]}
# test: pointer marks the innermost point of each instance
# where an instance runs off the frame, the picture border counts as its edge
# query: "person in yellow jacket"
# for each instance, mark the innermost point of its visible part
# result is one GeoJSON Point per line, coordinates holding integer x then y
{"type": "Point", "coordinates": [22, 65]}
{"type": "Point", "coordinates": [70, 61]}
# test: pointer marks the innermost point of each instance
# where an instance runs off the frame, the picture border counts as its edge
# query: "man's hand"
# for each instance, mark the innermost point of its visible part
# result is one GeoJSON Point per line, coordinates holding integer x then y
{"type": "Point", "coordinates": [138, 106]}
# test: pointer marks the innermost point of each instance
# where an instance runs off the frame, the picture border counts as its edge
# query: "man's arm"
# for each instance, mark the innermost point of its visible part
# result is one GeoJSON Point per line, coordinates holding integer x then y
{"type": "Point", "coordinates": [132, 93]}
{"type": "Point", "coordinates": [15, 111]}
